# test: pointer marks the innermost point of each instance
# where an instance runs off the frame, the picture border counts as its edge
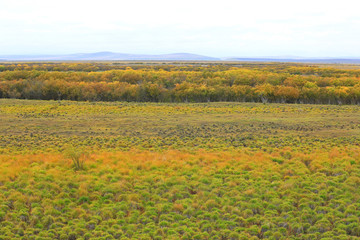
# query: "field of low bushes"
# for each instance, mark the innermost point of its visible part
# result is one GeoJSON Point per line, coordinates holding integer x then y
{"type": "Point", "coordinates": [115, 170]}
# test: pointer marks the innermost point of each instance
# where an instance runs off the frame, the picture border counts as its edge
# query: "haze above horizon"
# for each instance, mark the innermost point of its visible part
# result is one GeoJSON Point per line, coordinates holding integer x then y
{"type": "Point", "coordinates": [227, 29]}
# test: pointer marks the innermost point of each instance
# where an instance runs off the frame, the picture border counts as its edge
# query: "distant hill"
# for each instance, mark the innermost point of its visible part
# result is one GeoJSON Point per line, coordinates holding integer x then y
{"type": "Point", "coordinates": [298, 60]}
{"type": "Point", "coordinates": [109, 56]}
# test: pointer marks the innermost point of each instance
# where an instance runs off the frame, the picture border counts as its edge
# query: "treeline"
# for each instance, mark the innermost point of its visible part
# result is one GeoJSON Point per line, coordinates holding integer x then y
{"type": "Point", "coordinates": [105, 66]}
{"type": "Point", "coordinates": [282, 84]}
{"type": "Point", "coordinates": [291, 68]}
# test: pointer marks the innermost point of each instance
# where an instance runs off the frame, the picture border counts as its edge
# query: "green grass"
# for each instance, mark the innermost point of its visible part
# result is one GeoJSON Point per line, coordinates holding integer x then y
{"type": "Point", "coordinates": [43, 126]}
{"type": "Point", "coordinates": [115, 170]}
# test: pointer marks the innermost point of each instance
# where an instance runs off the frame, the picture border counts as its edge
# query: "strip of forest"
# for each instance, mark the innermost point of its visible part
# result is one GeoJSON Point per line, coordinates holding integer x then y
{"type": "Point", "coordinates": [266, 83]}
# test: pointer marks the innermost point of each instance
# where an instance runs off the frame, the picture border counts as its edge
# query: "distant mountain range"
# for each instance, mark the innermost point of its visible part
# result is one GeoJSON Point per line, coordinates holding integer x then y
{"type": "Point", "coordinates": [103, 56]}
{"type": "Point", "coordinates": [297, 60]}
{"type": "Point", "coordinates": [109, 56]}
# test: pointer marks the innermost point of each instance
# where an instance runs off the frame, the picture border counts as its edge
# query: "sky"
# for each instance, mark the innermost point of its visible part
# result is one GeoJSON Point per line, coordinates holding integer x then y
{"type": "Point", "coordinates": [226, 28]}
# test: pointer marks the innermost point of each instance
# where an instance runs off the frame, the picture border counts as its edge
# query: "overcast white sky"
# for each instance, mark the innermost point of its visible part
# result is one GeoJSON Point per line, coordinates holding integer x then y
{"type": "Point", "coordinates": [310, 28]}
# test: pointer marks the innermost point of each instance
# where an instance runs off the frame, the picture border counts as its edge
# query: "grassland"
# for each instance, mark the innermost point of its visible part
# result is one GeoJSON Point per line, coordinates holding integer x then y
{"type": "Point", "coordinates": [179, 170]}
{"type": "Point", "coordinates": [42, 126]}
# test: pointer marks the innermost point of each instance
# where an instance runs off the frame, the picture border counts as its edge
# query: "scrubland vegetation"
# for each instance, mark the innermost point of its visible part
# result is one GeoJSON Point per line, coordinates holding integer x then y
{"type": "Point", "coordinates": [207, 82]}
{"type": "Point", "coordinates": [159, 168]}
